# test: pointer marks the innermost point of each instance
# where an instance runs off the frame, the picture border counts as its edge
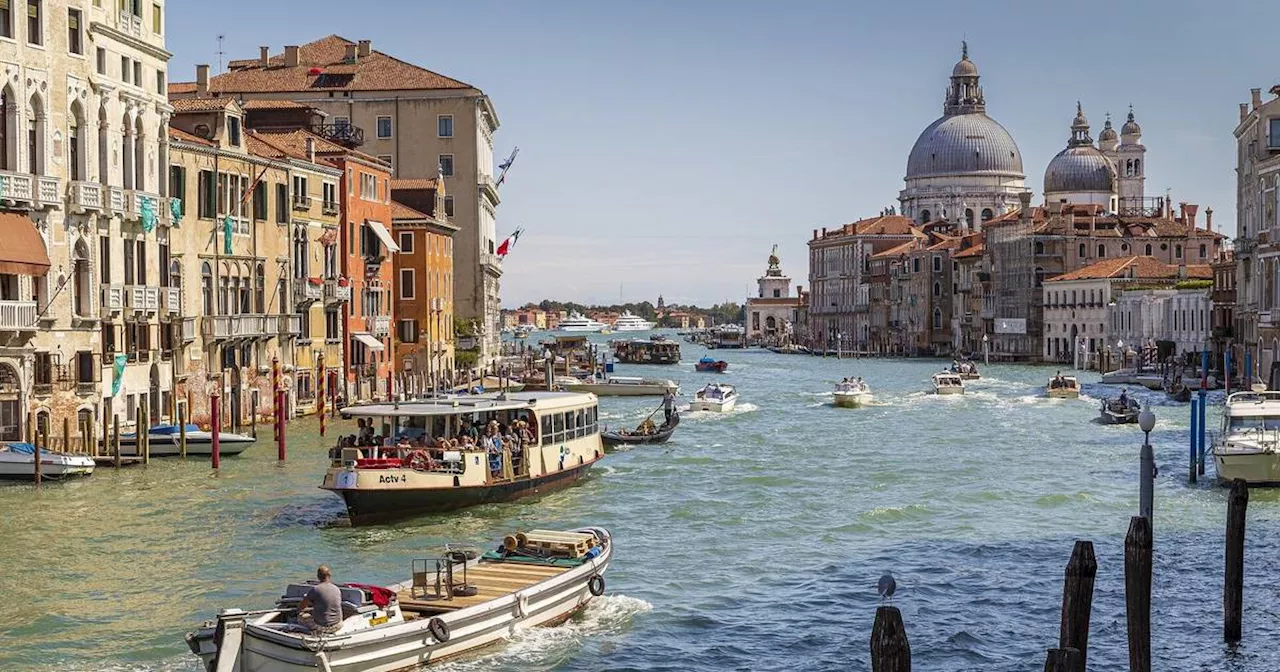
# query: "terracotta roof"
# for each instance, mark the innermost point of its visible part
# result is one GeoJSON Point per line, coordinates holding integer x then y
{"type": "Point", "coordinates": [883, 225]}
{"type": "Point", "coordinates": [182, 87]}
{"type": "Point", "coordinates": [295, 143]}
{"type": "Point", "coordinates": [946, 243]}
{"type": "Point", "coordinates": [201, 104]}
{"type": "Point", "coordinates": [261, 147]}
{"type": "Point", "coordinates": [1144, 268]}
{"type": "Point", "coordinates": [401, 211]}
{"type": "Point", "coordinates": [895, 251]}
{"type": "Point", "coordinates": [183, 136]}
{"type": "Point", "coordinates": [414, 183]}
{"type": "Point", "coordinates": [273, 105]}
{"type": "Point", "coordinates": [974, 251]}
{"type": "Point", "coordinates": [375, 72]}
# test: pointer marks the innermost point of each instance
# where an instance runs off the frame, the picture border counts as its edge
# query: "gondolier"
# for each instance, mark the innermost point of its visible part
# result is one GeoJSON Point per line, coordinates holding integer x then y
{"type": "Point", "coordinates": [668, 405]}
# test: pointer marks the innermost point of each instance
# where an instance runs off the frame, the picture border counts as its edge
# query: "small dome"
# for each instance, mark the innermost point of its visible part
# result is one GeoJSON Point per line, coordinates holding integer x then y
{"type": "Point", "coordinates": [1108, 133]}
{"type": "Point", "coordinates": [1081, 168]}
{"type": "Point", "coordinates": [1131, 127]}
{"type": "Point", "coordinates": [965, 68]}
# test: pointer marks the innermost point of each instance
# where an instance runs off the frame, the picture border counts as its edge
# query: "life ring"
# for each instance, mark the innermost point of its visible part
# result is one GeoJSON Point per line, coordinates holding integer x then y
{"type": "Point", "coordinates": [419, 460]}
{"type": "Point", "coordinates": [595, 584]}
{"type": "Point", "coordinates": [438, 629]}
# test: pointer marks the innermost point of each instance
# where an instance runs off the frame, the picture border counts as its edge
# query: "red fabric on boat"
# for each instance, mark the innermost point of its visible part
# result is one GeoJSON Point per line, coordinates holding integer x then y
{"type": "Point", "coordinates": [381, 596]}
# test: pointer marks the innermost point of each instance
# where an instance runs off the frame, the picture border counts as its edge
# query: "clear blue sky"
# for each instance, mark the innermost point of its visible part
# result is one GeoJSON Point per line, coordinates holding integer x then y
{"type": "Point", "coordinates": [666, 146]}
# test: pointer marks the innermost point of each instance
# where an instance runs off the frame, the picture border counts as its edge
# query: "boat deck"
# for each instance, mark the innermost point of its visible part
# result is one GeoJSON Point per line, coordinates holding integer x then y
{"type": "Point", "coordinates": [491, 579]}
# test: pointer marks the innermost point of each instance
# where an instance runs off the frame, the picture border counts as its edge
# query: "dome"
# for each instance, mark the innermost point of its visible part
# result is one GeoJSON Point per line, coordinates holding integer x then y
{"type": "Point", "coordinates": [965, 68]}
{"type": "Point", "coordinates": [1131, 127]}
{"type": "Point", "coordinates": [964, 144]}
{"type": "Point", "coordinates": [1078, 169]}
{"type": "Point", "coordinates": [1108, 133]}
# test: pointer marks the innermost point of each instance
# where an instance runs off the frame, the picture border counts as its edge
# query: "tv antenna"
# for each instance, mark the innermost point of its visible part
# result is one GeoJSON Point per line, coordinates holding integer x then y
{"type": "Point", "coordinates": [220, 51]}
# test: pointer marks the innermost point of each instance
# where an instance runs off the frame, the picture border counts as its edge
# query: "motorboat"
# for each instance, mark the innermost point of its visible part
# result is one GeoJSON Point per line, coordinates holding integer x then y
{"type": "Point", "coordinates": [1249, 445]}
{"type": "Point", "coordinates": [457, 603]}
{"type": "Point", "coordinates": [947, 382]}
{"type": "Point", "coordinates": [437, 454]}
{"type": "Point", "coordinates": [1126, 376]}
{"type": "Point", "coordinates": [711, 365]}
{"type": "Point", "coordinates": [523, 331]}
{"type": "Point", "coordinates": [18, 463]}
{"type": "Point", "coordinates": [628, 321]}
{"type": "Point", "coordinates": [645, 434]}
{"type": "Point", "coordinates": [851, 393]}
{"type": "Point", "coordinates": [578, 322]}
{"type": "Point", "coordinates": [715, 397]}
{"type": "Point", "coordinates": [1120, 411]}
{"type": "Point", "coordinates": [966, 369]}
{"type": "Point", "coordinates": [626, 386]}
{"type": "Point", "coordinates": [1063, 387]}
{"type": "Point", "coordinates": [166, 441]}
{"type": "Point", "coordinates": [656, 350]}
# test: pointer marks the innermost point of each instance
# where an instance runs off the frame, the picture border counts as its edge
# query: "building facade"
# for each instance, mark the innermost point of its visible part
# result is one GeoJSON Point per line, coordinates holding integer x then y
{"type": "Point", "coordinates": [773, 313]}
{"type": "Point", "coordinates": [424, 295]}
{"type": "Point", "coordinates": [1257, 248]}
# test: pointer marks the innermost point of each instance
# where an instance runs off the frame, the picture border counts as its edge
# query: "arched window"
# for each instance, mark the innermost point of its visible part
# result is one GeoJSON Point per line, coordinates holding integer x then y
{"type": "Point", "coordinates": [1147, 250]}
{"type": "Point", "coordinates": [175, 276]}
{"type": "Point", "coordinates": [1204, 250]}
{"type": "Point", "coordinates": [36, 118]}
{"type": "Point", "coordinates": [224, 288]}
{"type": "Point", "coordinates": [987, 214]}
{"type": "Point", "coordinates": [126, 148]}
{"type": "Point", "coordinates": [1039, 247]}
{"type": "Point", "coordinates": [206, 287]}
{"type": "Point", "coordinates": [75, 142]}
{"type": "Point", "coordinates": [1084, 252]}
{"type": "Point", "coordinates": [139, 156]}
{"type": "Point", "coordinates": [82, 299]}
{"type": "Point", "coordinates": [1102, 251]}
{"type": "Point", "coordinates": [260, 285]}
{"type": "Point", "coordinates": [1137, 167]}
{"type": "Point", "coordinates": [968, 216]}
{"type": "Point", "coordinates": [924, 216]}
{"type": "Point", "coordinates": [1039, 276]}
{"type": "Point", "coordinates": [8, 127]}
{"type": "Point", "coordinates": [1177, 251]}
{"type": "Point", "coordinates": [937, 289]}
{"type": "Point", "coordinates": [246, 289]}
{"type": "Point", "coordinates": [937, 318]}
{"type": "Point", "coordinates": [1128, 168]}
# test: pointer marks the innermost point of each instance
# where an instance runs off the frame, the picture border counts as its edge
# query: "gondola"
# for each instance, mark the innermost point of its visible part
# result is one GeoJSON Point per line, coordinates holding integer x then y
{"type": "Point", "coordinates": [624, 437]}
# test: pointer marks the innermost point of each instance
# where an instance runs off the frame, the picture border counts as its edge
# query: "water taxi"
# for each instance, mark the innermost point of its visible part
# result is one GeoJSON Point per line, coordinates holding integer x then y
{"type": "Point", "coordinates": [454, 604]}
{"type": "Point", "coordinates": [1249, 446]}
{"type": "Point", "coordinates": [626, 386]}
{"type": "Point", "coordinates": [656, 350]}
{"type": "Point", "coordinates": [1120, 411]}
{"type": "Point", "coordinates": [715, 397]}
{"type": "Point", "coordinates": [967, 370]}
{"type": "Point", "coordinates": [447, 453]}
{"type": "Point", "coordinates": [1063, 387]}
{"type": "Point", "coordinates": [18, 463]}
{"type": "Point", "coordinates": [947, 383]}
{"type": "Point", "coordinates": [851, 393]}
{"type": "Point", "coordinates": [166, 441]}
{"type": "Point", "coordinates": [629, 321]}
{"type": "Point", "coordinates": [578, 322]}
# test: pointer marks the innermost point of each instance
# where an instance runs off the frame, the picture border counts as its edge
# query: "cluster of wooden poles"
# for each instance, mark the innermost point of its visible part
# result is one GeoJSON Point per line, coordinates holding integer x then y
{"type": "Point", "coordinates": [891, 652]}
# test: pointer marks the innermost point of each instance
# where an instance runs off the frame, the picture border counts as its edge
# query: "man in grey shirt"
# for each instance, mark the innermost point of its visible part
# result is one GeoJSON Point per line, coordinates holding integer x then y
{"type": "Point", "coordinates": [325, 601]}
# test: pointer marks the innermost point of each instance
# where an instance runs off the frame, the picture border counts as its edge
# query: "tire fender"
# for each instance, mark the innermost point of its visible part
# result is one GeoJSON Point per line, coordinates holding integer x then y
{"type": "Point", "coordinates": [438, 629]}
{"type": "Point", "coordinates": [595, 585]}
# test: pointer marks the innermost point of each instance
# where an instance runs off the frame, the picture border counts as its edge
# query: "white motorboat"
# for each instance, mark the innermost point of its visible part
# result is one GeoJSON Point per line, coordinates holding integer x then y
{"type": "Point", "coordinates": [1063, 387]}
{"type": "Point", "coordinates": [947, 382]}
{"type": "Point", "coordinates": [166, 441]}
{"type": "Point", "coordinates": [851, 393]}
{"type": "Point", "coordinates": [1249, 446]}
{"type": "Point", "coordinates": [966, 369]}
{"type": "Point", "coordinates": [455, 604]}
{"type": "Point", "coordinates": [627, 386]}
{"type": "Point", "coordinates": [716, 397]}
{"type": "Point", "coordinates": [577, 322]}
{"type": "Point", "coordinates": [631, 322]}
{"type": "Point", "coordinates": [1127, 376]}
{"type": "Point", "coordinates": [18, 463]}
{"type": "Point", "coordinates": [1120, 411]}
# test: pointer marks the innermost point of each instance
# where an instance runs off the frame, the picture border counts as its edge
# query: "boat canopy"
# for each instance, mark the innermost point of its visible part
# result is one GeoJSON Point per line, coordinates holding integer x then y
{"type": "Point", "coordinates": [22, 447]}
{"type": "Point", "coordinates": [167, 429]}
{"type": "Point", "coordinates": [477, 403]}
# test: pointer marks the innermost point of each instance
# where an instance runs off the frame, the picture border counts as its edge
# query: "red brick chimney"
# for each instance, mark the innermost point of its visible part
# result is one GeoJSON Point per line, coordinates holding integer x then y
{"type": "Point", "coordinates": [1189, 218]}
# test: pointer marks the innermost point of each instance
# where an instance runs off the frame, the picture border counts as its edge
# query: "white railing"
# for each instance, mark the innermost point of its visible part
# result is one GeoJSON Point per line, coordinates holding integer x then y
{"type": "Point", "coordinates": [336, 292]}
{"type": "Point", "coordinates": [115, 200]}
{"type": "Point", "coordinates": [1264, 317]}
{"type": "Point", "coordinates": [131, 24]}
{"type": "Point", "coordinates": [378, 325]}
{"type": "Point", "coordinates": [290, 325]}
{"type": "Point", "coordinates": [304, 290]}
{"type": "Point", "coordinates": [239, 326]}
{"type": "Point", "coordinates": [49, 191]}
{"type": "Point", "coordinates": [132, 204]}
{"type": "Point", "coordinates": [113, 298]}
{"type": "Point", "coordinates": [18, 315]}
{"type": "Point", "coordinates": [142, 298]}
{"type": "Point", "coordinates": [172, 299]}
{"type": "Point", "coordinates": [85, 196]}
{"type": "Point", "coordinates": [188, 329]}
{"type": "Point", "coordinates": [491, 260]}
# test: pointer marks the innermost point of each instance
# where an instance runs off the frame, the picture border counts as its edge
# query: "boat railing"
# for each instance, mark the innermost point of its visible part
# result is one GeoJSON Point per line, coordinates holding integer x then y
{"type": "Point", "coordinates": [1254, 397]}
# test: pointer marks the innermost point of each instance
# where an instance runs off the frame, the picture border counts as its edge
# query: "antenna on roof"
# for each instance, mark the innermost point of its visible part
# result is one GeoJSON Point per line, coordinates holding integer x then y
{"type": "Point", "coordinates": [221, 53]}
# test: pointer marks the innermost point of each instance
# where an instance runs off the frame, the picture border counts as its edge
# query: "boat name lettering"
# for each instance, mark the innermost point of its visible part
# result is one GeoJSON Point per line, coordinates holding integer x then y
{"type": "Point", "coordinates": [385, 478]}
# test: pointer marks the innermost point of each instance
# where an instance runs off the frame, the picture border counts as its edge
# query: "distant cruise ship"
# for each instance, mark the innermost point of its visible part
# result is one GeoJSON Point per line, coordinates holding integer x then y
{"type": "Point", "coordinates": [577, 322]}
{"type": "Point", "coordinates": [629, 322]}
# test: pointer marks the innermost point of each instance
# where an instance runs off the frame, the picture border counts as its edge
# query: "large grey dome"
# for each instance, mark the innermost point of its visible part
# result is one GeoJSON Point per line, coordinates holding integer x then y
{"type": "Point", "coordinates": [964, 144]}
{"type": "Point", "coordinates": [1079, 169]}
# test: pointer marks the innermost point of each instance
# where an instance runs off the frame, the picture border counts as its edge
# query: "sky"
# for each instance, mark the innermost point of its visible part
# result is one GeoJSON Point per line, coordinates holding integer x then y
{"type": "Point", "coordinates": [666, 146]}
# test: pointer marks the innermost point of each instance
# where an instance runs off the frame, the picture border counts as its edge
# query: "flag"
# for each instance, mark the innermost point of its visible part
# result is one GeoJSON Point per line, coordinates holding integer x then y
{"type": "Point", "coordinates": [148, 214]}
{"type": "Point", "coordinates": [505, 248]}
{"type": "Point", "coordinates": [226, 234]}
{"type": "Point", "coordinates": [117, 371]}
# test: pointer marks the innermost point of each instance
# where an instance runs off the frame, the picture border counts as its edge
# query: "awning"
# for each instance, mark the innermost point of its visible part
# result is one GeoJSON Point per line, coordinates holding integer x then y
{"type": "Point", "coordinates": [22, 250]}
{"type": "Point", "coordinates": [369, 341]}
{"type": "Point", "coordinates": [384, 235]}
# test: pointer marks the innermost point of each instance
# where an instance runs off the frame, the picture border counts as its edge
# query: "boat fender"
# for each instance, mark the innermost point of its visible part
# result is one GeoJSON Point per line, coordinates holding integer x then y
{"type": "Point", "coordinates": [438, 629]}
{"type": "Point", "coordinates": [595, 584]}
{"type": "Point", "coordinates": [522, 605]}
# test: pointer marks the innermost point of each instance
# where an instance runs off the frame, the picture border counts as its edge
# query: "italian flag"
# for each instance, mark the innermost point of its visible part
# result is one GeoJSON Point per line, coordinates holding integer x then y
{"type": "Point", "coordinates": [510, 242]}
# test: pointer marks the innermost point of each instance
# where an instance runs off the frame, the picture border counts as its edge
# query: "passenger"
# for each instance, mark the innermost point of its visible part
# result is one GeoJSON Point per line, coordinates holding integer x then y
{"type": "Point", "coordinates": [1124, 397]}
{"type": "Point", "coordinates": [321, 609]}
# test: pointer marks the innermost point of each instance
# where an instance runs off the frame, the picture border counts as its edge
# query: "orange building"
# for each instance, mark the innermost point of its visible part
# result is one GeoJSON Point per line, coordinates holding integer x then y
{"type": "Point", "coordinates": [423, 295]}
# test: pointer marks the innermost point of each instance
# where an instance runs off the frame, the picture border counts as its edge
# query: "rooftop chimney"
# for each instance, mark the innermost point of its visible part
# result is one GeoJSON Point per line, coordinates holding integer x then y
{"type": "Point", "coordinates": [311, 149]}
{"type": "Point", "coordinates": [366, 46]}
{"type": "Point", "coordinates": [1256, 96]}
{"type": "Point", "coordinates": [1244, 111]}
{"type": "Point", "coordinates": [1182, 211]}
{"type": "Point", "coordinates": [1208, 219]}
{"type": "Point", "coordinates": [1190, 218]}
{"type": "Point", "coordinates": [815, 234]}
{"type": "Point", "coordinates": [291, 56]}
{"type": "Point", "coordinates": [350, 56]}
{"type": "Point", "coordinates": [202, 81]}
{"type": "Point", "coordinates": [264, 56]}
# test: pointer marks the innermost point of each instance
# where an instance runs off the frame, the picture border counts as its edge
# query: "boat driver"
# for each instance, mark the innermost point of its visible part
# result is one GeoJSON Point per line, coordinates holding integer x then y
{"type": "Point", "coordinates": [1124, 397]}
{"type": "Point", "coordinates": [321, 609]}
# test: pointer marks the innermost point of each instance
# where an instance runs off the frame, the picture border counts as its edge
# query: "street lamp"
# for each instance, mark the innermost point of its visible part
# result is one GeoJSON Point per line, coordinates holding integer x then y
{"type": "Point", "coordinates": [1147, 464]}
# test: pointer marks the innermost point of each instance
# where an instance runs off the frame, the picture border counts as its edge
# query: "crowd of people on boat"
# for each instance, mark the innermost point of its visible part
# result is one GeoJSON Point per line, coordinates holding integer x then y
{"type": "Point", "coordinates": [852, 385]}
{"type": "Point", "coordinates": [966, 367]}
{"type": "Point", "coordinates": [426, 453]}
{"type": "Point", "coordinates": [713, 391]}
{"type": "Point", "coordinates": [1058, 382]}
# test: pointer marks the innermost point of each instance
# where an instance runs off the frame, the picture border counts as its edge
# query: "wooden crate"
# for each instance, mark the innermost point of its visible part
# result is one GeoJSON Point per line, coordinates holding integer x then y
{"type": "Point", "coordinates": [570, 544]}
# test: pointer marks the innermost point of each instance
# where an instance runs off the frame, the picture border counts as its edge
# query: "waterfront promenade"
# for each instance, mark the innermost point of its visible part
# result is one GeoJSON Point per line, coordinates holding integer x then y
{"type": "Point", "coordinates": [752, 541]}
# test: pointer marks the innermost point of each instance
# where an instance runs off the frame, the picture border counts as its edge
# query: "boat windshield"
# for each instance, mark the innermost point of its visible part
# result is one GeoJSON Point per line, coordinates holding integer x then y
{"type": "Point", "coordinates": [1245, 423]}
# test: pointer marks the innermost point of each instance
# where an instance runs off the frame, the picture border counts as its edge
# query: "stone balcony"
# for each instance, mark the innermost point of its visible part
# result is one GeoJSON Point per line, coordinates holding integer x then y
{"type": "Point", "coordinates": [491, 263]}
{"type": "Point", "coordinates": [488, 187]}
{"type": "Point", "coordinates": [86, 197]}
{"type": "Point", "coordinates": [35, 191]}
{"type": "Point", "coordinates": [306, 291]}
{"type": "Point", "coordinates": [247, 326]}
{"type": "Point", "coordinates": [290, 325]}
{"type": "Point", "coordinates": [18, 315]}
{"type": "Point", "coordinates": [142, 298]}
{"type": "Point", "coordinates": [188, 328]}
{"type": "Point", "coordinates": [378, 325]}
{"type": "Point", "coordinates": [113, 298]}
{"type": "Point", "coordinates": [128, 204]}
{"type": "Point", "coordinates": [335, 293]}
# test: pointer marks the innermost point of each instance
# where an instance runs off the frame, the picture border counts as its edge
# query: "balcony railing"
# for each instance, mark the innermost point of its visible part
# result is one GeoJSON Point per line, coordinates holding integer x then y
{"type": "Point", "coordinates": [330, 208]}
{"type": "Point", "coordinates": [290, 325]}
{"type": "Point", "coordinates": [85, 196]}
{"type": "Point", "coordinates": [491, 262]}
{"type": "Point", "coordinates": [142, 298]}
{"type": "Point", "coordinates": [305, 291]}
{"type": "Point", "coordinates": [131, 24]}
{"type": "Point", "coordinates": [37, 191]}
{"type": "Point", "coordinates": [171, 298]}
{"type": "Point", "coordinates": [188, 329]}
{"type": "Point", "coordinates": [301, 202]}
{"type": "Point", "coordinates": [18, 315]}
{"type": "Point", "coordinates": [488, 187]}
{"type": "Point", "coordinates": [223, 327]}
{"type": "Point", "coordinates": [343, 134]}
{"type": "Point", "coordinates": [334, 292]}
{"type": "Point", "coordinates": [113, 298]}
{"type": "Point", "coordinates": [378, 325]}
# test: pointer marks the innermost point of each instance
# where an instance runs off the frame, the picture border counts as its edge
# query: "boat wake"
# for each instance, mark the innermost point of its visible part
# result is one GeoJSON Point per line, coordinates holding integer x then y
{"type": "Point", "coordinates": [699, 416]}
{"type": "Point", "coordinates": [550, 648]}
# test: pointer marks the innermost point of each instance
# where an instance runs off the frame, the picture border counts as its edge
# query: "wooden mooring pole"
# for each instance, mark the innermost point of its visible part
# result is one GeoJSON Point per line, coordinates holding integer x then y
{"type": "Point", "coordinates": [890, 650]}
{"type": "Point", "coordinates": [106, 428]}
{"type": "Point", "coordinates": [1233, 577]}
{"type": "Point", "coordinates": [182, 430]}
{"type": "Point", "coordinates": [215, 423]}
{"type": "Point", "coordinates": [115, 439]}
{"type": "Point", "coordinates": [1063, 660]}
{"type": "Point", "coordinates": [66, 434]}
{"type": "Point", "coordinates": [39, 469]}
{"type": "Point", "coordinates": [1077, 601]}
{"type": "Point", "coordinates": [143, 433]}
{"type": "Point", "coordinates": [1137, 592]}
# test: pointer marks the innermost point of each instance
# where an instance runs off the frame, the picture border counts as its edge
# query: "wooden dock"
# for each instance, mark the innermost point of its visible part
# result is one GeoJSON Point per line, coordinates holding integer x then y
{"type": "Point", "coordinates": [109, 461]}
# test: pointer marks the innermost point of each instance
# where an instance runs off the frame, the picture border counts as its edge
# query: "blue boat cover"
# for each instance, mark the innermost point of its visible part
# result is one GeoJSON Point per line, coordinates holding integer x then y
{"type": "Point", "coordinates": [25, 448]}
{"type": "Point", "coordinates": [707, 360]}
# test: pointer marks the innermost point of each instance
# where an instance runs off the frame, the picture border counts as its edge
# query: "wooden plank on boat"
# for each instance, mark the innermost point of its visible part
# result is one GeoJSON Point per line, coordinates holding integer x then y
{"type": "Point", "coordinates": [576, 544]}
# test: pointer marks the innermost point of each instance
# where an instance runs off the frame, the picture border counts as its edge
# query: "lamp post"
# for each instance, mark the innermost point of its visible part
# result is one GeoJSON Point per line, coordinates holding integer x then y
{"type": "Point", "coordinates": [1147, 465]}
{"type": "Point", "coordinates": [986, 350]}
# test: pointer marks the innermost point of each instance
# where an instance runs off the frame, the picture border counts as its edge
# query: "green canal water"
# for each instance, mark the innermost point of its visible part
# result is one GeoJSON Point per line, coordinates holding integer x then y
{"type": "Point", "coordinates": [752, 541]}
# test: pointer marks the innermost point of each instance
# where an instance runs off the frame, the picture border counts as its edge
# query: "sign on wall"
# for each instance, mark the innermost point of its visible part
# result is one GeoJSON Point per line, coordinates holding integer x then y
{"type": "Point", "coordinates": [1011, 325]}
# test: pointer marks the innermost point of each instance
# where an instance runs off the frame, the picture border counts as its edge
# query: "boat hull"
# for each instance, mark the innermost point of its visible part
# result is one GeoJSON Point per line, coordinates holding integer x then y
{"type": "Point", "coordinates": [850, 399]}
{"type": "Point", "coordinates": [372, 506]}
{"type": "Point", "coordinates": [198, 443]}
{"type": "Point", "coordinates": [1257, 468]}
{"type": "Point", "coordinates": [53, 471]}
{"type": "Point", "coordinates": [711, 367]}
{"type": "Point", "coordinates": [1062, 394]}
{"type": "Point", "coordinates": [948, 390]}
{"type": "Point", "coordinates": [713, 406]}
{"type": "Point", "coordinates": [1110, 418]}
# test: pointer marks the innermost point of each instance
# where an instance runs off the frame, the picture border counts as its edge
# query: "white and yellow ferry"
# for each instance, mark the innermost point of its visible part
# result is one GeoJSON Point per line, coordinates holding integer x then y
{"type": "Point", "coordinates": [419, 459]}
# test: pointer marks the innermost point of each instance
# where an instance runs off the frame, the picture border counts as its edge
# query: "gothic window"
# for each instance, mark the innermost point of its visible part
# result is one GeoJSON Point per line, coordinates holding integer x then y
{"type": "Point", "coordinates": [206, 288]}
{"type": "Point", "coordinates": [75, 142]}
{"type": "Point", "coordinates": [968, 216]}
{"type": "Point", "coordinates": [35, 136]}
{"type": "Point", "coordinates": [84, 284]}
{"type": "Point", "coordinates": [126, 148]}
{"type": "Point", "coordinates": [1203, 251]}
{"type": "Point", "coordinates": [261, 286]}
{"type": "Point", "coordinates": [1128, 168]}
{"type": "Point", "coordinates": [924, 216]}
{"type": "Point", "coordinates": [937, 289]}
{"type": "Point", "coordinates": [1039, 247]}
{"type": "Point", "coordinates": [1147, 250]}
{"type": "Point", "coordinates": [937, 318]}
{"type": "Point", "coordinates": [1137, 167]}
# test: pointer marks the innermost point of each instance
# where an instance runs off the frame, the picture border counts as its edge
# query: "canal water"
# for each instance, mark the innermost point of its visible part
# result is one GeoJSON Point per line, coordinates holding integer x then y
{"type": "Point", "coordinates": [753, 541]}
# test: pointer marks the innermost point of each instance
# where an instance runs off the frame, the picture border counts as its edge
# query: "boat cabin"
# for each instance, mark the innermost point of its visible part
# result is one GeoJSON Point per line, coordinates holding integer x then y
{"type": "Point", "coordinates": [650, 351]}
{"type": "Point", "coordinates": [1250, 412]}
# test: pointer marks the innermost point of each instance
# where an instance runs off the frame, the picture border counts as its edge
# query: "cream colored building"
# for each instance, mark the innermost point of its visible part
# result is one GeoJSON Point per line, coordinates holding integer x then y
{"type": "Point", "coordinates": [420, 122]}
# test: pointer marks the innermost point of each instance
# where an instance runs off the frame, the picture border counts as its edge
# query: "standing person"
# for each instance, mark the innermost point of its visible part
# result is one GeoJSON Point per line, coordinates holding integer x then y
{"type": "Point", "coordinates": [325, 604]}
{"type": "Point", "coordinates": [668, 404]}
